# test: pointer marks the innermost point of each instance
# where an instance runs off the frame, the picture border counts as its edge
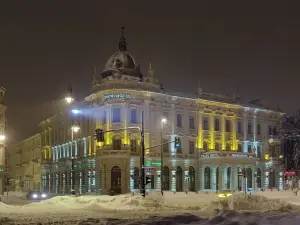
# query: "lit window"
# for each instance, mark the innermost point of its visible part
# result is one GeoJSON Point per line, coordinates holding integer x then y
{"type": "Point", "coordinates": [179, 120]}
{"type": "Point", "coordinates": [117, 143]}
{"type": "Point", "coordinates": [192, 147]}
{"type": "Point", "coordinates": [217, 125]}
{"type": "Point", "coordinates": [192, 122]}
{"type": "Point", "coordinates": [116, 115]}
{"type": "Point", "coordinates": [205, 146]}
{"type": "Point", "coordinates": [133, 117]}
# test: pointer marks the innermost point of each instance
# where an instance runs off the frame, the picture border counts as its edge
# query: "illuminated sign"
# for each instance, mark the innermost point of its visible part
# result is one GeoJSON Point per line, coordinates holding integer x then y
{"type": "Point", "coordinates": [148, 163]}
{"type": "Point", "coordinates": [238, 155]}
{"type": "Point", "coordinates": [1, 169]}
{"type": "Point", "coordinates": [209, 155]}
{"type": "Point", "coordinates": [117, 96]}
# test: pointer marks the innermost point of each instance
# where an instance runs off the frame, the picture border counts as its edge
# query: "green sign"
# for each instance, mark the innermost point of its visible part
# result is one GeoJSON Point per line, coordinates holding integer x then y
{"type": "Point", "coordinates": [81, 166]}
{"type": "Point", "coordinates": [1, 169]}
{"type": "Point", "coordinates": [148, 163]}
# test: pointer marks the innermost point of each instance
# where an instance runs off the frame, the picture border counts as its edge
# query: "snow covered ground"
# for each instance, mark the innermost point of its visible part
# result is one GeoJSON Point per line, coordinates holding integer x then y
{"type": "Point", "coordinates": [180, 208]}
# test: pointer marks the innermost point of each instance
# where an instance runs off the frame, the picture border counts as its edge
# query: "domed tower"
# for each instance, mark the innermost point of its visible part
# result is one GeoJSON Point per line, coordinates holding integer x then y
{"type": "Point", "coordinates": [122, 71]}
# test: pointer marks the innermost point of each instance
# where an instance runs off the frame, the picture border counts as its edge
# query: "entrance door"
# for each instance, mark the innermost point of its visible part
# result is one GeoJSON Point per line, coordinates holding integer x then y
{"type": "Point", "coordinates": [116, 179]}
{"type": "Point", "coordinates": [217, 178]}
{"type": "Point", "coordinates": [178, 179]}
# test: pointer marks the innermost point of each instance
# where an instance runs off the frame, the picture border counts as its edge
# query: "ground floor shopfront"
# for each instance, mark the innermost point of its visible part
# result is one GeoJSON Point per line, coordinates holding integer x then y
{"type": "Point", "coordinates": [122, 173]}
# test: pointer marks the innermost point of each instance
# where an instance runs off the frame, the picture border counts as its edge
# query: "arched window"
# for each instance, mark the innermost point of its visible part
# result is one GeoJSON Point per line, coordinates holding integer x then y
{"type": "Point", "coordinates": [258, 178]}
{"type": "Point", "coordinates": [192, 179]}
{"type": "Point", "coordinates": [117, 143]}
{"type": "Point", "coordinates": [207, 178]}
{"type": "Point", "coordinates": [249, 178]}
{"type": "Point", "coordinates": [228, 177]}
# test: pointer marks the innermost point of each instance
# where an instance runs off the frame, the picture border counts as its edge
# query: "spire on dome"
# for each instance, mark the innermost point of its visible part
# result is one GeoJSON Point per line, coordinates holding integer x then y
{"type": "Point", "coordinates": [199, 90]}
{"type": "Point", "coordinates": [122, 41]}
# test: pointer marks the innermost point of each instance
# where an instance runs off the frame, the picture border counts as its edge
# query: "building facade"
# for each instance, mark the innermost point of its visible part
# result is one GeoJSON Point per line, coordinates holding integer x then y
{"type": "Point", "coordinates": [23, 163]}
{"type": "Point", "coordinates": [224, 144]}
{"type": "Point", "coordinates": [2, 140]}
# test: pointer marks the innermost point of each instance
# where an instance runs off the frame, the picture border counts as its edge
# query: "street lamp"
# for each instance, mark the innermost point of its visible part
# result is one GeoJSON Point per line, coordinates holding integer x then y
{"type": "Point", "coordinates": [75, 129]}
{"type": "Point", "coordinates": [69, 99]}
{"type": "Point", "coordinates": [163, 122]}
{"type": "Point", "coordinates": [76, 111]}
{"type": "Point", "coordinates": [2, 137]}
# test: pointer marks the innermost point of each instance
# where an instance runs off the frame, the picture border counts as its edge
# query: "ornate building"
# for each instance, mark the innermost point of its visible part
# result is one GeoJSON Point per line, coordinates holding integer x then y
{"type": "Point", "coordinates": [2, 139]}
{"type": "Point", "coordinates": [224, 144]}
{"type": "Point", "coordinates": [23, 161]}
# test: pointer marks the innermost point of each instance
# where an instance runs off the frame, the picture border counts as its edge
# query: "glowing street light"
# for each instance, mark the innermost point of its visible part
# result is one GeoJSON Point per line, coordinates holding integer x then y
{"type": "Point", "coordinates": [75, 128]}
{"type": "Point", "coordinates": [76, 111]}
{"type": "Point", "coordinates": [163, 121]}
{"type": "Point", "coordinates": [69, 99]}
{"type": "Point", "coordinates": [2, 137]}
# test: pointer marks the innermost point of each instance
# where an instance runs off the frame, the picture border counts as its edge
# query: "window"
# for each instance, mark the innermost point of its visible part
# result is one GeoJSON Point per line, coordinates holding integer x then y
{"type": "Point", "coordinates": [179, 120]}
{"type": "Point", "coordinates": [270, 130]}
{"type": "Point", "coordinates": [133, 116]}
{"type": "Point", "coordinates": [117, 143]}
{"type": "Point", "coordinates": [249, 149]}
{"type": "Point", "coordinates": [207, 178]}
{"type": "Point", "coordinates": [258, 151]}
{"type": "Point", "coordinates": [249, 128]}
{"type": "Point", "coordinates": [192, 147]}
{"type": "Point", "coordinates": [133, 145]}
{"type": "Point", "coordinates": [116, 115]}
{"type": "Point", "coordinates": [227, 126]}
{"type": "Point", "coordinates": [179, 149]}
{"type": "Point", "coordinates": [192, 122]}
{"type": "Point", "coordinates": [228, 147]}
{"type": "Point", "coordinates": [205, 123]}
{"type": "Point", "coordinates": [239, 127]}
{"type": "Point", "coordinates": [104, 117]}
{"type": "Point", "coordinates": [217, 125]}
{"type": "Point", "coordinates": [166, 145]}
{"type": "Point", "coordinates": [217, 146]}
{"type": "Point", "coordinates": [205, 146]}
{"type": "Point", "coordinates": [274, 130]}
{"type": "Point", "coordinates": [258, 129]}
{"type": "Point", "coordinates": [239, 147]}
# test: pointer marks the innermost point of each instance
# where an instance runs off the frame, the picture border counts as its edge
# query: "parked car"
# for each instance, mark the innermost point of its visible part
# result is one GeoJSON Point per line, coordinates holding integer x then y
{"type": "Point", "coordinates": [36, 195]}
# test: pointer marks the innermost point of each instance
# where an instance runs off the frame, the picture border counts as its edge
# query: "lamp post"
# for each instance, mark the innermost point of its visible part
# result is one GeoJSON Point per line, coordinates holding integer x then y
{"type": "Point", "coordinates": [74, 129]}
{"type": "Point", "coordinates": [163, 122]}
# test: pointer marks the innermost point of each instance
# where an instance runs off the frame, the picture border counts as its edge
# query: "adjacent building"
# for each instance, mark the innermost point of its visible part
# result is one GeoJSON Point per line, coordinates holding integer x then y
{"type": "Point", "coordinates": [23, 161]}
{"type": "Point", "coordinates": [2, 140]}
{"type": "Point", "coordinates": [225, 144]}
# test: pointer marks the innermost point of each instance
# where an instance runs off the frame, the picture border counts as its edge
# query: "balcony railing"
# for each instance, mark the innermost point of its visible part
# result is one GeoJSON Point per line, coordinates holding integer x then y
{"type": "Point", "coordinates": [114, 152]}
{"type": "Point", "coordinates": [216, 154]}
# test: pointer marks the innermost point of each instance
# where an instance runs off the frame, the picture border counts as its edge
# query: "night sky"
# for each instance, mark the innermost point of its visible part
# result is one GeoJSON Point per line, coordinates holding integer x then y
{"type": "Point", "coordinates": [226, 45]}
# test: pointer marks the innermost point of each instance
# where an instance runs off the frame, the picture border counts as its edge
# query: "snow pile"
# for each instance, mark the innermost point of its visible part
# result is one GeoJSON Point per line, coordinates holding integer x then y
{"type": "Point", "coordinates": [14, 198]}
{"type": "Point", "coordinates": [242, 202]}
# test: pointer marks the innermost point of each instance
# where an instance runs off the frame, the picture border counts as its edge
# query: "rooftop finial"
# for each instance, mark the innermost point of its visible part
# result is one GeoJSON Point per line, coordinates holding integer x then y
{"type": "Point", "coordinates": [122, 42]}
{"type": "Point", "coordinates": [199, 91]}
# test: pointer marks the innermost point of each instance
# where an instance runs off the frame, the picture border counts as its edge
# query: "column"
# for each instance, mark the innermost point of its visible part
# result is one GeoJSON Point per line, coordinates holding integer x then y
{"type": "Point", "coordinates": [200, 131]}
{"type": "Point", "coordinates": [125, 118]}
{"type": "Point", "coordinates": [234, 178]}
{"type": "Point", "coordinates": [200, 178]}
{"type": "Point", "coordinates": [213, 181]}
{"type": "Point", "coordinates": [223, 141]}
{"type": "Point", "coordinates": [234, 141]}
{"type": "Point", "coordinates": [245, 125]}
{"type": "Point", "coordinates": [211, 131]}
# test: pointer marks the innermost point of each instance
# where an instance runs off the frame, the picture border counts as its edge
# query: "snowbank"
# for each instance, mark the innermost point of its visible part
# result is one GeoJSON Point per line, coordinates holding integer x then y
{"type": "Point", "coordinates": [14, 198]}
{"type": "Point", "coordinates": [242, 202]}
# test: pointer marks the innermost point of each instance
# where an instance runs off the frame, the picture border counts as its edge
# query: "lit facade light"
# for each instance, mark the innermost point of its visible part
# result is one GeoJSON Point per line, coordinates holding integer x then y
{"type": "Point", "coordinates": [75, 111]}
{"type": "Point", "coordinates": [163, 120]}
{"type": "Point", "coordinates": [2, 137]}
{"type": "Point", "coordinates": [69, 99]}
{"type": "Point", "coordinates": [75, 128]}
